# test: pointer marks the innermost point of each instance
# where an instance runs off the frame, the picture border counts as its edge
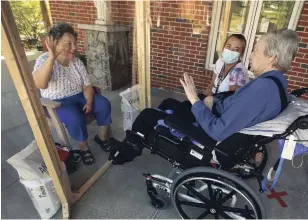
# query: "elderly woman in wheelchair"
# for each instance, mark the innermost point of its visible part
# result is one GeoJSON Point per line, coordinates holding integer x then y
{"type": "Point", "coordinates": [196, 139]}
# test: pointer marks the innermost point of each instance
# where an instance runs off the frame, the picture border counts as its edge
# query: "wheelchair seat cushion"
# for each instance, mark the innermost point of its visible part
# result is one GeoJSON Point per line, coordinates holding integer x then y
{"type": "Point", "coordinates": [190, 130]}
{"type": "Point", "coordinates": [297, 109]}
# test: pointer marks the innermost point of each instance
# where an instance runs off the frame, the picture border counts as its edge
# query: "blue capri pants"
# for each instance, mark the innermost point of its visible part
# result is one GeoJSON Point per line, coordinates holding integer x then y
{"type": "Point", "coordinates": [71, 114]}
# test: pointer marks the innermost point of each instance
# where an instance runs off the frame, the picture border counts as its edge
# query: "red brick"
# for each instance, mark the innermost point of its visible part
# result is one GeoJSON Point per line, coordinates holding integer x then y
{"type": "Point", "coordinates": [197, 44]}
{"type": "Point", "coordinates": [168, 36]}
{"type": "Point", "coordinates": [298, 70]}
{"type": "Point", "coordinates": [296, 64]}
{"type": "Point", "coordinates": [187, 25]}
{"type": "Point", "coordinates": [295, 78]}
{"type": "Point", "coordinates": [180, 29]}
{"type": "Point", "coordinates": [292, 87]}
{"type": "Point", "coordinates": [170, 10]}
{"type": "Point", "coordinates": [193, 60]}
{"type": "Point", "coordinates": [304, 84]}
{"type": "Point", "coordinates": [303, 50]}
{"type": "Point", "coordinates": [303, 23]}
{"type": "Point", "coordinates": [305, 10]}
{"type": "Point", "coordinates": [300, 60]}
{"type": "Point", "coordinates": [200, 57]}
{"type": "Point", "coordinates": [300, 55]}
{"type": "Point", "coordinates": [191, 48]}
{"type": "Point", "coordinates": [191, 39]}
{"type": "Point", "coordinates": [186, 34]}
{"type": "Point", "coordinates": [303, 75]}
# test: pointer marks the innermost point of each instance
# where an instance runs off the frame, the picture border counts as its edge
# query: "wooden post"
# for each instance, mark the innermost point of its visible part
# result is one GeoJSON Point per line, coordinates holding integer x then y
{"type": "Point", "coordinates": [57, 124]}
{"type": "Point", "coordinates": [19, 69]}
{"type": "Point", "coordinates": [142, 16]}
{"type": "Point", "coordinates": [45, 15]}
{"type": "Point", "coordinates": [226, 23]}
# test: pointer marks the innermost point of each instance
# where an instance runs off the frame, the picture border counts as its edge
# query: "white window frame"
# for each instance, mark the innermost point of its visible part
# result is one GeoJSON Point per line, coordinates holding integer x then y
{"type": "Point", "coordinates": [250, 30]}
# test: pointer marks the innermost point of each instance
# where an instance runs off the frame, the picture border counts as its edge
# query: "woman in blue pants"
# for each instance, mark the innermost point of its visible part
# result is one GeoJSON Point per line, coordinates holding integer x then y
{"type": "Point", "coordinates": [62, 77]}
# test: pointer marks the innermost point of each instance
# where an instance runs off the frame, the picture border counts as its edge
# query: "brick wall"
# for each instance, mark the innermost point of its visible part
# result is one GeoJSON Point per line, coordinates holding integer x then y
{"type": "Point", "coordinates": [74, 12]}
{"type": "Point", "coordinates": [179, 37]}
{"type": "Point", "coordinates": [298, 75]}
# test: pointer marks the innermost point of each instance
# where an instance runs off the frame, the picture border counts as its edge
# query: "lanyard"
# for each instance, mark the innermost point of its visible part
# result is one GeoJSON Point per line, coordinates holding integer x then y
{"type": "Point", "coordinates": [220, 76]}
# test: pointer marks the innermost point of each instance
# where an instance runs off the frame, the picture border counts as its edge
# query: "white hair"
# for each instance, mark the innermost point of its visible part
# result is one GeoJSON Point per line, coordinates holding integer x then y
{"type": "Point", "coordinates": [283, 44]}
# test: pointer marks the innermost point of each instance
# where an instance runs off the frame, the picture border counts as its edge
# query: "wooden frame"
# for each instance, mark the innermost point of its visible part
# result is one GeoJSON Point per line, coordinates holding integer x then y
{"type": "Point", "coordinates": [19, 69]}
{"type": "Point", "coordinates": [142, 25]}
{"type": "Point", "coordinates": [45, 15]}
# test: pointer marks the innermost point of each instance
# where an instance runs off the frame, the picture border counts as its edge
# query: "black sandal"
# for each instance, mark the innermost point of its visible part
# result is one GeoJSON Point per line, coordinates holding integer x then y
{"type": "Point", "coordinates": [87, 157]}
{"type": "Point", "coordinates": [105, 145]}
{"type": "Point", "coordinates": [76, 156]}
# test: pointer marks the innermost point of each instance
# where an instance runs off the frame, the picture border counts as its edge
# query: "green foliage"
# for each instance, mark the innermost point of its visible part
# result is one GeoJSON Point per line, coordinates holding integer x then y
{"type": "Point", "coordinates": [28, 18]}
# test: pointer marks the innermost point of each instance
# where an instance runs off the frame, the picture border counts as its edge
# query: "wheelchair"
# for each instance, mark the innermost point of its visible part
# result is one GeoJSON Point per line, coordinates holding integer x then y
{"type": "Point", "coordinates": [199, 186]}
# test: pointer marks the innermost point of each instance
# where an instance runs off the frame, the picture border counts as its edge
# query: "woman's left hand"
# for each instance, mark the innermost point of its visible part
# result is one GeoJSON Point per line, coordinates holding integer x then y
{"type": "Point", "coordinates": [190, 88]}
{"type": "Point", "coordinates": [87, 108]}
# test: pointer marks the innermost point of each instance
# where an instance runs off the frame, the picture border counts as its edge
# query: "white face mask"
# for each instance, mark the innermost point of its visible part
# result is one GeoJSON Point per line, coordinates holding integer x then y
{"type": "Point", "coordinates": [229, 56]}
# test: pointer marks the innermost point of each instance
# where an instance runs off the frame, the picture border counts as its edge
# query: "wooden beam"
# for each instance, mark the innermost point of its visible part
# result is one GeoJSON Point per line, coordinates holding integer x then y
{"type": "Point", "coordinates": [45, 14]}
{"type": "Point", "coordinates": [226, 23]}
{"type": "Point", "coordinates": [77, 195]}
{"type": "Point", "coordinates": [19, 69]}
{"type": "Point", "coordinates": [57, 124]}
{"type": "Point", "coordinates": [142, 16]}
{"type": "Point", "coordinates": [147, 51]}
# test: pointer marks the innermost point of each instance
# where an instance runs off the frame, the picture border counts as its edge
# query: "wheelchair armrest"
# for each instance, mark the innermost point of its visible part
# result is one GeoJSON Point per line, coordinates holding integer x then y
{"type": "Point", "coordinates": [300, 123]}
{"type": "Point", "coordinates": [299, 92]}
{"type": "Point", "coordinates": [191, 131]}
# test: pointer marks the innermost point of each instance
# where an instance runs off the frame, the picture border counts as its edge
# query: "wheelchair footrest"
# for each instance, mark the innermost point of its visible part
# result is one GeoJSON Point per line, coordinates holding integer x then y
{"type": "Point", "coordinates": [128, 150]}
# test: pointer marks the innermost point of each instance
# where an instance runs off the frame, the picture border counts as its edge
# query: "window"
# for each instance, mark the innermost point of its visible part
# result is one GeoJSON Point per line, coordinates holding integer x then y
{"type": "Point", "coordinates": [250, 18]}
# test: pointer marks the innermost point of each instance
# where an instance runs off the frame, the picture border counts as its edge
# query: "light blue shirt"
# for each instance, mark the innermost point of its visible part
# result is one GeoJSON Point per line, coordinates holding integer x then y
{"type": "Point", "coordinates": [253, 103]}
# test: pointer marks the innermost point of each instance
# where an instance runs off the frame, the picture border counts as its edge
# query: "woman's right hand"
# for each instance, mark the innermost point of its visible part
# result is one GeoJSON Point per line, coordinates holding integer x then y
{"type": "Point", "coordinates": [51, 44]}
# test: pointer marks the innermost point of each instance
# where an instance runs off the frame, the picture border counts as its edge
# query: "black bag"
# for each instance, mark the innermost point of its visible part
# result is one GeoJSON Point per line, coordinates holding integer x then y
{"type": "Point", "coordinates": [70, 158]}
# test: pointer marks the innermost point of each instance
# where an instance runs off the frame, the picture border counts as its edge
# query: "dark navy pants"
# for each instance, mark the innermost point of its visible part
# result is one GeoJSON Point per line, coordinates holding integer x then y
{"type": "Point", "coordinates": [74, 119]}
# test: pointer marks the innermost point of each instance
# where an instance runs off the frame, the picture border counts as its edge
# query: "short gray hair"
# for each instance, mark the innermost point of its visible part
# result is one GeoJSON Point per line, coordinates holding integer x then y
{"type": "Point", "coordinates": [283, 44]}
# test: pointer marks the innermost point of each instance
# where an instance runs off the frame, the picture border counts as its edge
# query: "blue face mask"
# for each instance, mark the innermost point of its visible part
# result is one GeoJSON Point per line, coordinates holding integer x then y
{"type": "Point", "coordinates": [229, 56]}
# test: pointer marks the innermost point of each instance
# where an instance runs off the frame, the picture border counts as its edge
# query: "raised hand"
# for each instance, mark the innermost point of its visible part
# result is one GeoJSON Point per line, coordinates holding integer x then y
{"type": "Point", "coordinates": [51, 45]}
{"type": "Point", "coordinates": [190, 89]}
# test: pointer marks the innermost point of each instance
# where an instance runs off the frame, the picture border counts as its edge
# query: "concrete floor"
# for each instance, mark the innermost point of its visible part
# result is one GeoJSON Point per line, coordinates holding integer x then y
{"type": "Point", "coordinates": [121, 191]}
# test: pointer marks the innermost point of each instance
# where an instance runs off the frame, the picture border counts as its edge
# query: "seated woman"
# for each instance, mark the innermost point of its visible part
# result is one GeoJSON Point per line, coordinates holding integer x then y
{"type": "Point", "coordinates": [229, 74]}
{"type": "Point", "coordinates": [257, 101]}
{"type": "Point", "coordinates": [62, 77]}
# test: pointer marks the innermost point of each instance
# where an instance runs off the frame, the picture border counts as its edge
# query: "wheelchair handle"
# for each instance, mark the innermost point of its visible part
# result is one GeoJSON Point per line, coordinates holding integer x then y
{"type": "Point", "coordinates": [299, 92]}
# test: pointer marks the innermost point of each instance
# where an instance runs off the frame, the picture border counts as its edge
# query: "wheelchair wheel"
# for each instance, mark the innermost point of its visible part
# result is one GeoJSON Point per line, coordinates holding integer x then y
{"type": "Point", "coordinates": [215, 192]}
